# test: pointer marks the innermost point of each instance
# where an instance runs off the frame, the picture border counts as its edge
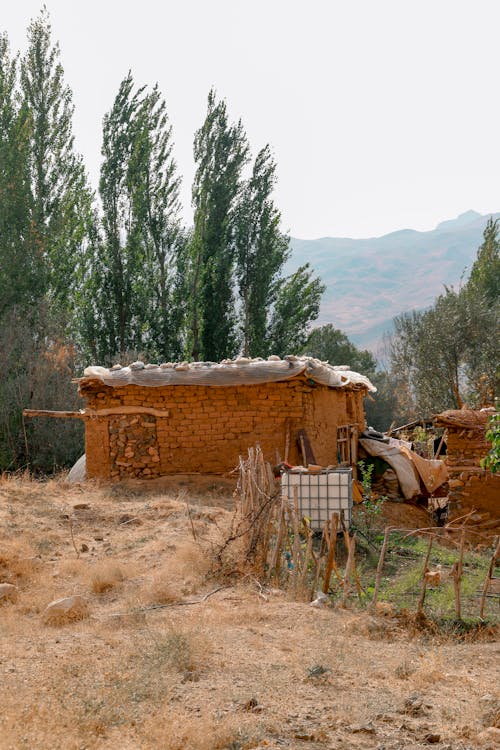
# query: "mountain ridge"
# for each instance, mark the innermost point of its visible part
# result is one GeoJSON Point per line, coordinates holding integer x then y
{"type": "Point", "coordinates": [371, 280]}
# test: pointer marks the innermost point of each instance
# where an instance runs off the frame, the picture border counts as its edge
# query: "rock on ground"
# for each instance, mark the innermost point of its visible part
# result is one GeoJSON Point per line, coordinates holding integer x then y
{"type": "Point", "coordinates": [66, 609]}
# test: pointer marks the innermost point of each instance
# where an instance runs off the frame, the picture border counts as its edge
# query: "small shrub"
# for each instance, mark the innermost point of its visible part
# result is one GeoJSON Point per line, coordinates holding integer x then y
{"type": "Point", "coordinates": [105, 576]}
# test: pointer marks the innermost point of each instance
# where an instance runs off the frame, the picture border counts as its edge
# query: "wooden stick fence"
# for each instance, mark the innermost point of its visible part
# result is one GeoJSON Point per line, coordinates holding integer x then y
{"type": "Point", "coordinates": [278, 544]}
{"type": "Point", "coordinates": [456, 572]}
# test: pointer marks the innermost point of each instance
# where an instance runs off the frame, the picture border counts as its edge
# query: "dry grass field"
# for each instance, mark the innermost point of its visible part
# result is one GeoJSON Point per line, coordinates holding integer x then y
{"type": "Point", "coordinates": [154, 664]}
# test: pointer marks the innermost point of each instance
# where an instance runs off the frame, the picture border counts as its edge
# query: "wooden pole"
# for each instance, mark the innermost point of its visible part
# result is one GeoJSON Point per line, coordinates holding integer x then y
{"type": "Point", "coordinates": [457, 576]}
{"type": "Point", "coordinates": [318, 560]}
{"type": "Point", "coordinates": [332, 543]}
{"type": "Point", "coordinates": [296, 537]}
{"type": "Point", "coordinates": [93, 413]}
{"type": "Point", "coordinates": [55, 414]}
{"type": "Point", "coordinates": [380, 565]}
{"type": "Point", "coordinates": [307, 555]}
{"type": "Point", "coordinates": [421, 601]}
{"type": "Point", "coordinates": [487, 581]}
{"type": "Point", "coordinates": [276, 559]}
{"type": "Point", "coordinates": [348, 568]}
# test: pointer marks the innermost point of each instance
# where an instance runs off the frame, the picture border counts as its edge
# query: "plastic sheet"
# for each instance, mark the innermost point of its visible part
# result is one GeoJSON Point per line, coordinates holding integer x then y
{"type": "Point", "coordinates": [241, 371]}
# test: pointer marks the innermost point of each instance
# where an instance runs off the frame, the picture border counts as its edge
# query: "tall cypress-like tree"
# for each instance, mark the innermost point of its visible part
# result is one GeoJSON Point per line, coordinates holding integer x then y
{"type": "Point", "coordinates": [20, 271]}
{"type": "Point", "coordinates": [155, 198]}
{"type": "Point", "coordinates": [62, 200]}
{"type": "Point", "coordinates": [220, 151]}
{"type": "Point", "coordinates": [133, 291]}
{"type": "Point", "coordinates": [262, 250]}
{"type": "Point", "coordinates": [120, 266]}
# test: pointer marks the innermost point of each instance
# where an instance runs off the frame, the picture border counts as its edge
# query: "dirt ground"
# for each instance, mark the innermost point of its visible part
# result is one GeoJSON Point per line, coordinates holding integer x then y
{"type": "Point", "coordinates": [155, 664]}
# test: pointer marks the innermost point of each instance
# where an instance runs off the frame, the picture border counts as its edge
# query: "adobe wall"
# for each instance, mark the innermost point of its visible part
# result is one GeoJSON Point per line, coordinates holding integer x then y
{"type": "Point", "coordinates": [470, 485]}
{"type": "Point", "coordinates": [208, 428]}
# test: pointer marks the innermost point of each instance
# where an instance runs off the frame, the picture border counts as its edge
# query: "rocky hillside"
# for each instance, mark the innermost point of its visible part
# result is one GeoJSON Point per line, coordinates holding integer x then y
{"type": "Point", "coordinates": [369, 281]}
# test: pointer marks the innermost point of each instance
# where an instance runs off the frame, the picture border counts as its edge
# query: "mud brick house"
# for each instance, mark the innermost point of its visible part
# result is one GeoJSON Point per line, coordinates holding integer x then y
{"type": "Point", "coordinates": [149, 420]}
{"type": "Point", "coordinates": [471, 486]}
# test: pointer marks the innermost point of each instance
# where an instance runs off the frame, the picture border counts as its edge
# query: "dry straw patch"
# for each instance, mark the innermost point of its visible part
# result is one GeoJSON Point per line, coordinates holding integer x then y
{"type": "Point", "coordinates": [182, 575]}
{"type": "Point", "coordinates": [180, 730]}
{"type": "Point", "coordinates": [106, 575]}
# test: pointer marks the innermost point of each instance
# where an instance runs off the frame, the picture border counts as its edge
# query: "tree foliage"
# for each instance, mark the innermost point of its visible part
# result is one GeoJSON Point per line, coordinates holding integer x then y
{"type": "Point", "coordinates": [332, 345]}
{"type": "Point", "coordinates": [492, 460]}
{"type": "Point", "coordinates": [131, 292]}
{"type": "Point", "coordinates": [61, 198]}
{"type": "Point", "coordinates": [448, 355]}
{"type": "Point", "coordinates": [297, 304]}
{"type": "Point", "coordinates": [261, 252]}
{"type": "Point", "coordinates": [20, 269]}
{"type": "Point", "coordinates": [220, 152]}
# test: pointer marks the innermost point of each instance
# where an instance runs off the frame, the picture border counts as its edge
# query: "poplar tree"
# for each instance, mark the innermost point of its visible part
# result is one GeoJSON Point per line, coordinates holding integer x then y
{"type": "Point", "coordinates": [297, 304]}
{"type": "Point", "coordinates": [62, 200]}
{"type": "Point", "coordinates": [220, 152]}
{"type": "Point", "coordinates": [262, 249]}
{"type": "Point", "coordinates": [20, 272]}
{"type": "Point", "coordinates": [119, 265]}
{"type": "Point", "coordinates": [134, 299]}
{"type": "Point", "coordinates": [156, 208]}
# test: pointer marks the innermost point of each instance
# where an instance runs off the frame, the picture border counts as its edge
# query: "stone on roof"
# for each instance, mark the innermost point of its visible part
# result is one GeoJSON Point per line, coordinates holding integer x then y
{"type": "Point", "coordinates": [239, 371]}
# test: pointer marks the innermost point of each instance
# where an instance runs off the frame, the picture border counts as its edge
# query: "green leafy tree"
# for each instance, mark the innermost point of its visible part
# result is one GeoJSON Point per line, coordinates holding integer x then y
{"type": "Point", "coordinates": [448, 355]}
{"type": "Point", "coordinates": [120, 261]}
{"type": "Point", "coordinates": [297, 305]}
{"type": "Point", "coordinates": [20, 270]}
{"type": "Point", "coordinates": [220, 152]}
{"type": "Point", "coordinates": [133, 285]}
{"type": "Point", "coordinates": [485, 272]}
{"type": "Point", "coordinates": [62, 200]}
{"type": "Point", "coordinates": [261, 250]}
{"type": "Point", "coordinates": [156, 206]}
{"type": "Point", "coordinates": [330, 344]}
{"type": "Point", "coordinates": [492, 460]}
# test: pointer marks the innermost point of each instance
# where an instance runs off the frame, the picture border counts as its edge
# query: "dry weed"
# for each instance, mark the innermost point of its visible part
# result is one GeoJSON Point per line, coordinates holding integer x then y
{"type": "Point", "coordinates": [404, 670]}
{"type": "Point", "coordinates": [163, 590]}
{"type": "Point", "coordinates": [106, 575]}
{"type": "Point", "coordinates": [18, 562]}
{"type": "Point", "coordinates": [180, 730]}
{"type": "Point", "coordinates": [184, 650]}
{"type": "Point", "coordinates": [429, 670]}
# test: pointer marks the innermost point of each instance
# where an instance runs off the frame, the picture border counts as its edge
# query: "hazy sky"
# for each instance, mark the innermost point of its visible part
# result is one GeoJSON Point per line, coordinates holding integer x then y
{"type": "Point", "coordinates": [382, 114]}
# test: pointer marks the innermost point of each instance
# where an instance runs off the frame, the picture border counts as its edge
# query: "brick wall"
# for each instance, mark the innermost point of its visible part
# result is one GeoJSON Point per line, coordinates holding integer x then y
{"type": "Point", "coordinates": [207, 428]}
{"type": "Point", "coordinates": [470, 485]}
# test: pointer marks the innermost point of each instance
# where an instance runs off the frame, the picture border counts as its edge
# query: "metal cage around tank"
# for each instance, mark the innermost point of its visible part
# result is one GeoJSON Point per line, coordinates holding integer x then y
{"type": "Point", "coordinates": [320, 494]}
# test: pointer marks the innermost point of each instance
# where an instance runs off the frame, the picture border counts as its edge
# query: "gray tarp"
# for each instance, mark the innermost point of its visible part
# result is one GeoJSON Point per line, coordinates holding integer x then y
{"type": "Point", "coordinates": [78, 470]}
